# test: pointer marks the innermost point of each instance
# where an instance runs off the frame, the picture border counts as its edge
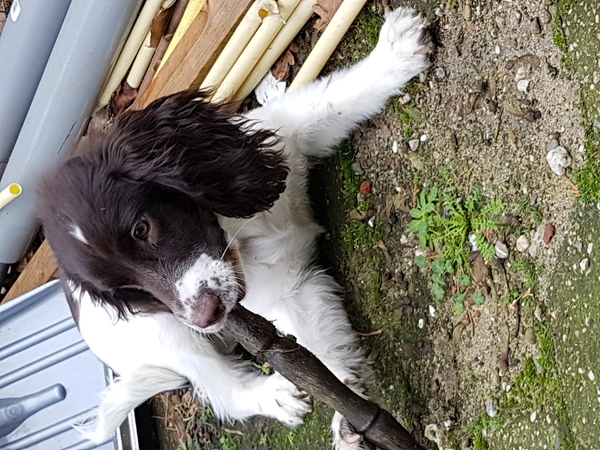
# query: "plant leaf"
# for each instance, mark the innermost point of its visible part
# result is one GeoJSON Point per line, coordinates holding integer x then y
{"type": "Point", "coordinates": [478, 298]}
{"type": "Point", "coordinates": [459, 308]}
{"type": "Point", "coordinates": [421, 260]}
{"type": "Point", "coordinates": [325, 9]}
{"type": "Point", "coordinates": [464, 280]}
{"type": "Point", "coordinates": [416, 213]}
{"type": "Point", "coordinates": [438, 291]}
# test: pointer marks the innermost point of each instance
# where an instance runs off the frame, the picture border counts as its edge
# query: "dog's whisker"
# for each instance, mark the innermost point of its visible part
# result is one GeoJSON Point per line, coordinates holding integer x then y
{"type": "Point", "coordinates": [234, 236]}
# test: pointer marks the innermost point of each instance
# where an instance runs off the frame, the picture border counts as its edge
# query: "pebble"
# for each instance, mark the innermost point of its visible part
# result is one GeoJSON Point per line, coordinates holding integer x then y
{"type": "Point", "coordinates": [405, 99]}
{"type": "Point", "coordinates": [552, 144]}
{"type": "Point", "coordinates": [523, 243]}
{"type": "Point", "coordinates": [558, 159]}
{"type": "Point", "coordinates": [533, 416]}
{"type": "Point", "coordinates": [421, 323]}
{"type": "Point", "coordinates": [365, 188]}
{"type": "Point", "coordinates": [523, 85]}
{"type": "Point", "coordinates": [395, 146]}
{"type": "Point", "coordinates": [424, 138]}
{"type": "Point", "coordinates": [501, 250]}
{"type": "Point", "coordinates": [473, 242]}
{"type": "Point", "coordinates": [545, 16]}
{"type": "Point", "coordinates": [530, 336]}
{"type": "Point", "coordinates": [591, 376]}
{"type": "Point", "coordinates": [590, 248]}
{"type": "Point", "coordinates": [414, 144]}
{"type": "Point", "coordinates": [489, 408]}
{"type": "Point", "coordinates": [578, 245]}
{"type": "Point", "coordinates": [356, 167]}
{"type": "Point", "coordinates": [432, 311]}
{"type": "Point", "coordinates": [536, 27]}
{"type": "Point", "coordinates": [548, 233]}
{"type": "Point", "coordinates": [440, 73]}
{"type": "Point", "coordinates": [584, 264]}
{"type": "Point", "coordinates": [467, 12]}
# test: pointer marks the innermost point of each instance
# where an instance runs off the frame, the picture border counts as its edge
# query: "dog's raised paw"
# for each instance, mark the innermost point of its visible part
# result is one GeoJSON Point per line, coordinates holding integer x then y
{"type": "Point", "coordinates": [280, 399]}
{"type": "Point", "coordinates": [405, 43]}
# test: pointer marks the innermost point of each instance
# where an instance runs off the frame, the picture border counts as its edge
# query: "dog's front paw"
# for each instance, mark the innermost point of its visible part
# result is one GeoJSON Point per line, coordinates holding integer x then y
{"type": "Point", "coordinates": [345, 436]}
{"type": "Point", "coordinates": [281, 400]}
{"type": "Point", "coordinates": [404, 44]}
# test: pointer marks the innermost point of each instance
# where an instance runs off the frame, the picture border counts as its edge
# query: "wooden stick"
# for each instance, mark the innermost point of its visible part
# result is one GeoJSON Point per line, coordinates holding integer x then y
{"type": "Point", "coordinates": [304, 369]}
{"type": "Point", "coordinates": [41, 269]}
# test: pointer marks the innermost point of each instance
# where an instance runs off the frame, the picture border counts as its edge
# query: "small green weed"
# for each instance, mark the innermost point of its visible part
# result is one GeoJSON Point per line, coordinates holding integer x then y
{"type": "Point", "coordinates": [443, 223]}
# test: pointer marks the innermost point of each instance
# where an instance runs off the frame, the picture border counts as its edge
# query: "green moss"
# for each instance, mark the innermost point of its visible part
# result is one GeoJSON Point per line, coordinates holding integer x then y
{"type": "Point", "coordinates": [478, 429]}
{"type": "Point", "coordinates": [588, 178]}
{"type": "Point", "coordinates": [363, 34]}
{"type": "Point", "coordinates": [346, 153]}
{"type": "Point", "coordinates": [356, 234]}
{"type": "Point", "coordinates": [313, 433]}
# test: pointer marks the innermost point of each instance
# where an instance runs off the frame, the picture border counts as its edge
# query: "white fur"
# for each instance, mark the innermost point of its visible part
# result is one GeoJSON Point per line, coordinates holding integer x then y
{"type": "Point", "coordinates": [157, 352]}
{"type": "Point", "coordinates": [77, 233]}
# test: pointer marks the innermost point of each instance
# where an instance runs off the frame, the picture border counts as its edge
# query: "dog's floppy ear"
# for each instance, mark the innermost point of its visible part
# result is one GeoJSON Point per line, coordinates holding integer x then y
{"type": "Point", "coordinates": [185, 143]}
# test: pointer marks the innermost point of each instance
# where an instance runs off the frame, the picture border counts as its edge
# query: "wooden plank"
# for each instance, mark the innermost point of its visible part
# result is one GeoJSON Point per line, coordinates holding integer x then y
{"type": "Point", "coordinates": [41, 269]}
{"type": "Point", "coordinates": [197, 49]}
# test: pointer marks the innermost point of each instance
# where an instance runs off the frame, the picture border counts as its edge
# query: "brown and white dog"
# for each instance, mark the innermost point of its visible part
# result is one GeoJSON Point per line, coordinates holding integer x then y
{"type": "Point", "coordinates": [182, 210]}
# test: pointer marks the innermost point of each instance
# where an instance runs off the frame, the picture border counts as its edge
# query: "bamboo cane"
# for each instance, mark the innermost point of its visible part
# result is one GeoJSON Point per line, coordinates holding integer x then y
{"type": "Point", "coordinates": [236, 45]}
{"type": "Point", "coordinates": [294, 24]}
{"type": "Point", "coordinates": [327, 43]}
{"type": "Point", "coordinates": [254, 50]}
{"type": "Point", "coordinates": [130, 49]}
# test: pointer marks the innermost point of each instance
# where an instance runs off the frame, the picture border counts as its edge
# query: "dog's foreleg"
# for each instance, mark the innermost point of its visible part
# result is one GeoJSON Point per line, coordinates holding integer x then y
{"type": "Point", "coordinates": [317, 116]}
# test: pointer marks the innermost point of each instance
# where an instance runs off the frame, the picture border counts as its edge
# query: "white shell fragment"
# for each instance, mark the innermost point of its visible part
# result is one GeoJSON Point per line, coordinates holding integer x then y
{"type": "Point", "coordinates": [489, 408]}
{"type": "Point", "coordinates": [558, 160]}
{"type": "Point", "coordinates": [473, 242]}
{"type": "Point", "coordinates": [523, 243]}
{"type": "Point", "coordinates": [523, 85]}
{"type": "Point", "coordinates": [501, 250]}
{"type": "Point", "coordinates": [432, 311]}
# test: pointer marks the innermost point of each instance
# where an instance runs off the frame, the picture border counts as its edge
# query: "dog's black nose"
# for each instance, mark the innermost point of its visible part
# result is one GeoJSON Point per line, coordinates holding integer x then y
{"type": "Point", "coordinates": [209, 309]}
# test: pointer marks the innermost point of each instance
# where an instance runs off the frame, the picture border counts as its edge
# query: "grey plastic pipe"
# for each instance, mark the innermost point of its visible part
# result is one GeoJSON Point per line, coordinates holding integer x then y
{"type": "Point", "coordinates": [85, 49]}
{"type": "Point", "coordinates": [25, 45]}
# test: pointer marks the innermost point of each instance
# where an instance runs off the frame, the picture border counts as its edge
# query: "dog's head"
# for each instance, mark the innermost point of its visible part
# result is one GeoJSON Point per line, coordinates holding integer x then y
{"type": "Point", "coordinates": [134, 220]}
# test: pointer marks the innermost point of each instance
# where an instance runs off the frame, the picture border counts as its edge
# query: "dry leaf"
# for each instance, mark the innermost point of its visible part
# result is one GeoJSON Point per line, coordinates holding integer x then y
{"type": "Point", "coordinates": [281, 68]}
{"type": "Point", "coordinates": [123, 98]}
{"type": "Point", "coordinates": [325, 9]}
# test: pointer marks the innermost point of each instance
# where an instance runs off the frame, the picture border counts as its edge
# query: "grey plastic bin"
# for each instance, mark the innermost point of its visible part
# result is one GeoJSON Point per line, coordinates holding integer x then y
{"type": "Point", "coordinates": [45, 363]}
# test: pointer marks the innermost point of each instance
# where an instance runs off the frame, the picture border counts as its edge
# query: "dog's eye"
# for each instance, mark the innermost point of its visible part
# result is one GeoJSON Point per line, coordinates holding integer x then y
{"type": "Point", "coordinates": [141, 230]}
